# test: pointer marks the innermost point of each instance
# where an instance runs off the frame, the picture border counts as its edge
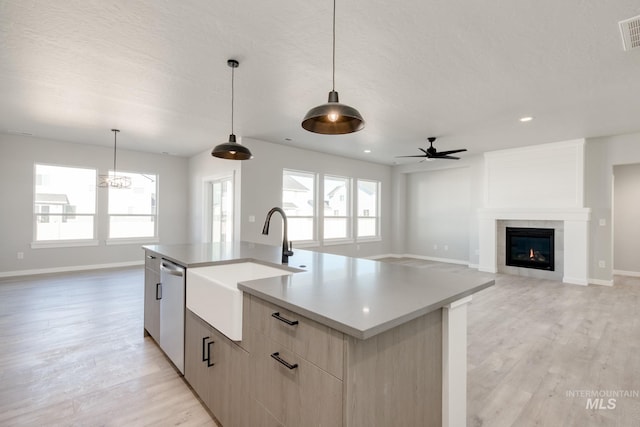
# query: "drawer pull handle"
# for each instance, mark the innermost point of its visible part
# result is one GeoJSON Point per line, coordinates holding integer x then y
{"type": "Point", "coordinates": [206, 349]}
{"type": "Point", "coordinates": [282, 319]}
{"type": "Point", "coordinates": [280, 360]}
{"type": "Point", "coordinates": [158, 291]}
{"type": "Point", "coordinates": [210, 359]}
{"type": "Point", "coordinates": [151, 257]}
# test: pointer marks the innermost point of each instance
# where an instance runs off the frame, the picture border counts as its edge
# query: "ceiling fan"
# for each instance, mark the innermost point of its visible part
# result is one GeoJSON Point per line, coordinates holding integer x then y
{"type": "Point", "coordinates": [432, 153]}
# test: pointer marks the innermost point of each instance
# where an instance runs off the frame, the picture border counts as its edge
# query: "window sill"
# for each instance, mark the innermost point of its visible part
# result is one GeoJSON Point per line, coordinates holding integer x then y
{"type": "Point", "coordinates": [63, 244]}
{"type": "Point", "coordinates": [369, 239]}
{"type": "Point", "coordinates": [333, 242]}
{"type": "Point", "coordinates": [132, 241]}
{"type": "Point", "coordinates": [305, 244]}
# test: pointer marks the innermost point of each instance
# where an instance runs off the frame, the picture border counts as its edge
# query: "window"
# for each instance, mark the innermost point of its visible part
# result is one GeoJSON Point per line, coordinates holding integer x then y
{"type": "Point", "coordinates": [64, 203]}
{"type": "Point", "coordinates": [132, 211]}
{"type": "Point", "coordinates": [368, 208]}
{"type": "Point", "coordinates": [298, 202]}
{"type": "Point", "coordinates": [337, 207]}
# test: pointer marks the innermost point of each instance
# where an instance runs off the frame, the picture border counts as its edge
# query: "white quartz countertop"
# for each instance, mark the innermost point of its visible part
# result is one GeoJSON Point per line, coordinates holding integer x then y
{"type": "Point", "coordinates": [359, 297]}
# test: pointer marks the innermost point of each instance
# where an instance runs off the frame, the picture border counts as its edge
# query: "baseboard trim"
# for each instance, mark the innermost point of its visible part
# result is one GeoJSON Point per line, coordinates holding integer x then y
{"type": "Point", "coordinates": [71, 268]}
{"type": "Point", "coordinates": [575, 281]}
{"type": "Point", "coordinates": [601, 282]}
{"type": "Point", "coordinates": [627, 273]}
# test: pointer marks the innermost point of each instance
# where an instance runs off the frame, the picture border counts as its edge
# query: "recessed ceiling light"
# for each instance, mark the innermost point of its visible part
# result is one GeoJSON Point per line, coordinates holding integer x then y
{"type": "Point", "coordinates": [367, 151]}
{"type": "Point", "coordinates": [287, 139]}
{"type": "Point", "coordinates": [526, 119]}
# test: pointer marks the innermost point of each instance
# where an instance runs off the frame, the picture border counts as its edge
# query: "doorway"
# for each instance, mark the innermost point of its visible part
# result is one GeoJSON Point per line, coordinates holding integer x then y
{"type": "Point", "coordinates": [221, 209]}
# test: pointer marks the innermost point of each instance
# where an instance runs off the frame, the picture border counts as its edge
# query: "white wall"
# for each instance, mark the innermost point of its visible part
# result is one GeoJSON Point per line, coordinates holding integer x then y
{"type": "Point", "coordinates": [626, 214]}
{"type": "Point", "coordinates": [262, 190]}
{"type": "Point", "coordinates": [601, 155]}
{"type": "Point", "coordinates": [438, 211]}
{"type": "Point", "coordinates": [18, 154]}
{"type": "Point", "coordinates": [468, 181]}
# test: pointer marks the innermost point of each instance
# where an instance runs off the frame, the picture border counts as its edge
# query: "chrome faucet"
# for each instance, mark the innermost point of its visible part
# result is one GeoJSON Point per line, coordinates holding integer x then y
{"type": "Point", "coordinates": [286, 245]}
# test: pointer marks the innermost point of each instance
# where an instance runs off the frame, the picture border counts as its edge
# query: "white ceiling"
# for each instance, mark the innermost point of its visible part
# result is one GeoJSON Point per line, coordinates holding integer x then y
{"type": "Point", "coordinates": [462, 70]}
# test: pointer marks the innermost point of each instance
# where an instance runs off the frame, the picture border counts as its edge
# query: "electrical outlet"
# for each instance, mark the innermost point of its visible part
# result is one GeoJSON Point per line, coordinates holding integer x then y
{"type": "Point", "coordinates": [602, 264]}
{"type": "Point", "coordinates": [20, 255]}
{"type": "Point", "coordinates": [252, 218]}
{"type": "Point", "coordinates": [602, 222]}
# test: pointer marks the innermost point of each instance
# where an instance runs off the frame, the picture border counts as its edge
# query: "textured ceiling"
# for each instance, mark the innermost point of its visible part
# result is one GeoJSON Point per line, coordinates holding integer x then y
{"type": "Point", "coordinates": [464, 71]}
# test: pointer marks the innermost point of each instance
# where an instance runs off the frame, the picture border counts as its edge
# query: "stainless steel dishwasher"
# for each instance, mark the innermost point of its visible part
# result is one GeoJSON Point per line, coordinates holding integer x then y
{"type": "Point", "coordinates": [172, 279]}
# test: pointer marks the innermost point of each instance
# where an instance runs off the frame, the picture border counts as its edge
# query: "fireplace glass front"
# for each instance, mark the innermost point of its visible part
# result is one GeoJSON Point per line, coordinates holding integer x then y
{"type": "Point", "coordinates": [530, 248]}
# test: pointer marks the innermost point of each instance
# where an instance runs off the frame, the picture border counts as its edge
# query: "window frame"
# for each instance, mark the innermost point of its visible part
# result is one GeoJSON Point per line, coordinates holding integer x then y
{"type": "Point", "coordinates": [377, 236]}
{"type": "Point", "coordinates": [59, 243]}
{"type": "Point", "coordinates": [133, 239]}
{"type": "Point", "coordinates": [314, 241]}
{"type": "Point", "coordinates": [349, 238]}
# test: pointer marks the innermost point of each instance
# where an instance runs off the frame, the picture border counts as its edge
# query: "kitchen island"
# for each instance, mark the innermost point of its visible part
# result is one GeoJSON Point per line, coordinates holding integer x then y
{"type": "Point", "coordinates": [340, 341]}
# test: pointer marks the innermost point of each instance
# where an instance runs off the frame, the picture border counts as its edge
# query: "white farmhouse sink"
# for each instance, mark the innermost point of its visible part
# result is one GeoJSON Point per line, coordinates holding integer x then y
{"type": "Point", "coordinates": [213, 294]}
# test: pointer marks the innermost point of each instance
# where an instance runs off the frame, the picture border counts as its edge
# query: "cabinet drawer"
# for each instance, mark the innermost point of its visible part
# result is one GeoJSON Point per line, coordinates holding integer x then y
{"type": "Point", "coordinates": [316, 343]}
{"type": "Point", "coordinates": [300, 394]}
{"type": "Point", "coordinates": [152, 261]}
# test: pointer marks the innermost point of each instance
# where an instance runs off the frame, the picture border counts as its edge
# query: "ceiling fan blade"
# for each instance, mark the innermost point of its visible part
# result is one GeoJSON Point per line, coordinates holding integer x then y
{"type": "Point", "coordinates": [447, 157]}
{"type": "Point", "coordinates": [417, 155]}
{"type": "Point", "coordinates": [446, 153]}
{"type": "Point", "coordinates": [423, 150]}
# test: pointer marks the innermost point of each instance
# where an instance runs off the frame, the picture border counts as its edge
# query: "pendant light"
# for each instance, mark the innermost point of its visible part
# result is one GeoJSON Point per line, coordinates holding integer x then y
{"type": "Point", "coordinates": [232, 150]}
{"type": "Point", "coordinates": [115, 180]}
{"type": "Point", "coordinates": [333, 118]}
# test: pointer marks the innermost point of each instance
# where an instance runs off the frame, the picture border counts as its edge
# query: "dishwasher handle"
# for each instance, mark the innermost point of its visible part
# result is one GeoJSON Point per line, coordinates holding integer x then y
{"type": "Point", "coordinates": [172, 269]}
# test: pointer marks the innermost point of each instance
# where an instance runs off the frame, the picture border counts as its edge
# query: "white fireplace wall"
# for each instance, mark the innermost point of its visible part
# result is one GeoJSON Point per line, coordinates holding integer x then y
{"type": "Point", "coordinates": [538, 183]}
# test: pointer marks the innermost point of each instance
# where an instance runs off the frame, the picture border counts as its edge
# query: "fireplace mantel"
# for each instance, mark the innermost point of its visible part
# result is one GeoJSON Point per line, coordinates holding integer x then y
{"type": "Point", "coordinates": [576, 237]}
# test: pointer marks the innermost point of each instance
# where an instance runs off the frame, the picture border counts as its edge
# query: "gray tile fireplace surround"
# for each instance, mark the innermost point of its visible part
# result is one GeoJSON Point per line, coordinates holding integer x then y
{"type": "Point", "coordinates": [558, 243]}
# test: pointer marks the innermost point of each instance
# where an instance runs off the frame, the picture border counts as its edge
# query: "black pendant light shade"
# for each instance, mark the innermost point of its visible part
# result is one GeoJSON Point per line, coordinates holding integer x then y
{"type": "Point", "coordinates": [232, 150]}
{"type": "Point", "coordinates": [333, 118]}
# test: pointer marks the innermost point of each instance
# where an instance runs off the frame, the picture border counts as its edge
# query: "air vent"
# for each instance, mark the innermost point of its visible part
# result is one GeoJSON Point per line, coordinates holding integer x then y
{"type": "Point", "coordinates": [630, 30]}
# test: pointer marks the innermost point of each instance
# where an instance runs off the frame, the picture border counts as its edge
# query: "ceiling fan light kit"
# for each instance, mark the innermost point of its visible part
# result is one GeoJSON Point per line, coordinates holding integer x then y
{"type": "Point", "coordinates": [333, 118]}
{"type": "Point", "coordinates": [231, 150]}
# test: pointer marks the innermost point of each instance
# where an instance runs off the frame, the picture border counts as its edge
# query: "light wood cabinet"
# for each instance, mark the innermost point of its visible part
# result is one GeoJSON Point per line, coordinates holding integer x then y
{"type": "Point", "coordinates": [292, 389]}
{"type": "Point", "coordinates": [217, 369]}
{"type": "Point", "coordinates": [291, 371]}
{"type": "Point", "coordinates": [313, 341]}
{"type": "Point", "coordinates": [152, 290]}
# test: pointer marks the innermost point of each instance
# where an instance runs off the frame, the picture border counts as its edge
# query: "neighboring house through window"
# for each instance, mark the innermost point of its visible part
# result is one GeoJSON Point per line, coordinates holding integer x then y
{"type": "Point", "coordinates": [64, 203]}
{"type": "Point", "coordinates": [368, 208]}
{"type": "Point", "coordinates": [337, 195]}
{"type": "Point", "coordinates": [298, 202]}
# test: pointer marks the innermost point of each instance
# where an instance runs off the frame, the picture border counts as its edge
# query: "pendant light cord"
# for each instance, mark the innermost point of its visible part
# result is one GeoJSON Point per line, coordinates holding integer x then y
{"type": "Point", "coordinates": [232, 97]}
{"type": "Point", "coordinates": [333, 88]}
{"type": "Point", "coordinates": [115, 144]}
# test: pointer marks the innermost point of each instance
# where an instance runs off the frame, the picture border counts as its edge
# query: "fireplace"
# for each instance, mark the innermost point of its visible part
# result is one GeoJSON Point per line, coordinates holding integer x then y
{"type": "Point", "coordinates": [530, 248]}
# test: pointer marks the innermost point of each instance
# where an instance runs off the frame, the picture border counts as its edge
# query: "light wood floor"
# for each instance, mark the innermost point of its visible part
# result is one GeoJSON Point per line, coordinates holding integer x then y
{"type": "Point", "coordinates": [532, 341]}
{"type": "Point", "coordinates": [72, 353]}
